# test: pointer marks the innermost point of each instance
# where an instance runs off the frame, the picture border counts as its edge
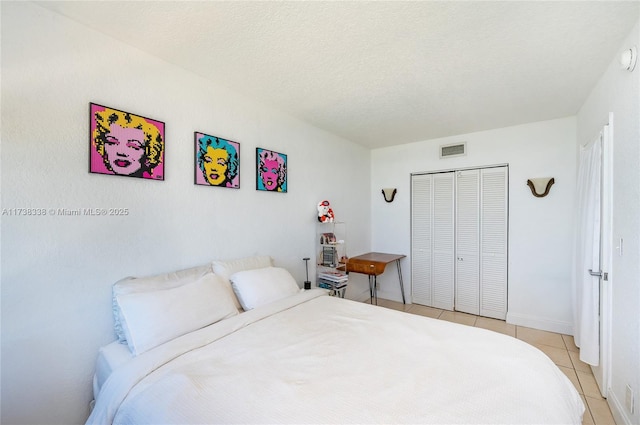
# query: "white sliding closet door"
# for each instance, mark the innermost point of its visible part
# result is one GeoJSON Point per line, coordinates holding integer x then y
{"type": "Point", "coordinates": [493, 252]}
{"type": "Point", "coordinates": [468, 242]}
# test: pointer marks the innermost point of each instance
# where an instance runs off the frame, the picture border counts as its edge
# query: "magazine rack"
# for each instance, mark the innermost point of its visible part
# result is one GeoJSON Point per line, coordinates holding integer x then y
{"type": "Point", "coordinates": [331, 272]}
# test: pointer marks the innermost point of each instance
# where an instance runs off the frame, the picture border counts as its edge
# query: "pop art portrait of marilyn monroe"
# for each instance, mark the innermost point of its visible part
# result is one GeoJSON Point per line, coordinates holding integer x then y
{"type": "Point", "coordinates": [125, 144]}
{"type": "Point", "coordinates": [217, 161]}
{"type": "Point", "coordinates": [271, 173]}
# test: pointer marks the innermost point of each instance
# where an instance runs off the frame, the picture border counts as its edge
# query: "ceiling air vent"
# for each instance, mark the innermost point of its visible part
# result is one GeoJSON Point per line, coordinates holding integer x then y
{"type": "Point", "coordinates": [457, 149]}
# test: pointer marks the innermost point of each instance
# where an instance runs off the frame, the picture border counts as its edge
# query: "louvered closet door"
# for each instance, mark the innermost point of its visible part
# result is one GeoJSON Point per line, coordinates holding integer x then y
{"type": "Point", "coordinates": [459, 241]}
{"type": "Point", "coordinates": [493, 256]}
{"type": "Point", "coordinates": [468, 242]}
{"type": "Point", "coordinates": [421, 211]}
{"type": "Point", "coordinates": [432, 240]}
{"type": "Point", "coordinates": [443, 264]}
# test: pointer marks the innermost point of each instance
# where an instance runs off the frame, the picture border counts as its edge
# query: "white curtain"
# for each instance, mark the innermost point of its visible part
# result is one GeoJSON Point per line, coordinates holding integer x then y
{"type": "Point", "coordinates": [587, 253]}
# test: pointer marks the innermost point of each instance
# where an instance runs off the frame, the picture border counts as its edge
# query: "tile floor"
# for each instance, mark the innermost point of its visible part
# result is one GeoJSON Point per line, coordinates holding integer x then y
{"type": "Point", "coordinates": [560, 348]}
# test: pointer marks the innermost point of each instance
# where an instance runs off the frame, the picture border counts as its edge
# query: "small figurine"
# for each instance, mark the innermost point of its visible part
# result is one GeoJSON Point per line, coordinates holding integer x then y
{"type": "Point", "coordinates": [325, 213]}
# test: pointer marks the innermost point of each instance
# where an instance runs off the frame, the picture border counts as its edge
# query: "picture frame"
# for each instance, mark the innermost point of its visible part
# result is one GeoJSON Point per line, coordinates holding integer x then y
{"type": "Point", "coordinates": [271, 171]}
{"type": "Point", "coordinates": [217, 161]}
{"type": "Point", "coordinates": [125, 144]}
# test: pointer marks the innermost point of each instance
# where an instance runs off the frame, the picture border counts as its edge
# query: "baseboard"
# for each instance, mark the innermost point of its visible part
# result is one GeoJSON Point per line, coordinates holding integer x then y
{"type": "Point", "coordinates": [541, 323]}
{"type": "Point", "coordinates": [617, 409]}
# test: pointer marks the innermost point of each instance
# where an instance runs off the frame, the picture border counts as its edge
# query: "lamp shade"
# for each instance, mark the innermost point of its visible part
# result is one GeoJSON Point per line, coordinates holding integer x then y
{"type": "Point", "coordinates": [389, 193]}
{"type": "Point", "coordinates": [540, 186]}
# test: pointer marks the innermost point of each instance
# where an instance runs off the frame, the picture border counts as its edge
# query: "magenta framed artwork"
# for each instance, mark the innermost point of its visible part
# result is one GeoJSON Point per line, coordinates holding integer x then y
{"type": "Point", "coordinates": [217, 161]}
{"type": "Point", "coordinates": [271, 171]}
{"type": "Point", "coordinates": [125, 144]}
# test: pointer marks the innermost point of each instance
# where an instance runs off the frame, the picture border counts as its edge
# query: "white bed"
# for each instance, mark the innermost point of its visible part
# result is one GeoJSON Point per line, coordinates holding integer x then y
{"type": "Point", "coordinates": [311, 358]}
{"type": "Point", "coordinates": [110, 357]}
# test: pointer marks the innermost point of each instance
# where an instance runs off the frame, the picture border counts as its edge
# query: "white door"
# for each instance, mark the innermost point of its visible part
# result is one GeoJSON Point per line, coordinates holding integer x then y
{"type": "Point", "coordinates": [459, 241]}
{"type": "Point", "coordinates": [421, 229]}
{"type": "Point", "coordinates": [593, 256]}
{"type": "Point", "coordinates": [468, 242]}
{"type": "Point", "coordinates": [493, 242]}
{"type": "Point", "coordinates": [443, 240]}
{"type": "Point", "coordinates": [432, 239]}
{"type": "Point", "coordinates": [601, 371]}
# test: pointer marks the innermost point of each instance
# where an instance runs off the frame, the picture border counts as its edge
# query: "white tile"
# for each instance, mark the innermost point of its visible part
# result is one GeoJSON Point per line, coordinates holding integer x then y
{"type": "Point", "coordinates": [395, 305]}
{"type": "Point", "coordinates": [577, 363]}
{"type": "Point", "coordinates": [536, 336]}
{"type": "Point", "coordinates": [559, 356]}
{"type": "Point", "coordinates": [588, 384]}
{"type": "Point", "coordinates": [458, 317]}
{"type": "Point", "coordinates": [425, 311]}
{"type": "Point", "coordinates": [496, 326]}
{"type": "Point", "coordinates": [587, 419]}
{"type": "Point", "coordinates": [600, 411]}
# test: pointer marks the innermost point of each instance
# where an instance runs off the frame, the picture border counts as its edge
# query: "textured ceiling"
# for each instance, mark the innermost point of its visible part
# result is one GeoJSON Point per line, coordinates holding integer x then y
{"type": "Point", "coordinates": [386, 72]}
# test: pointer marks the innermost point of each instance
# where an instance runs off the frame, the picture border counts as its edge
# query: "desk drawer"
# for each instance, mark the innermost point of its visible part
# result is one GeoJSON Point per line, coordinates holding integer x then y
{"type": "Point", "coordinates": [365, 267]}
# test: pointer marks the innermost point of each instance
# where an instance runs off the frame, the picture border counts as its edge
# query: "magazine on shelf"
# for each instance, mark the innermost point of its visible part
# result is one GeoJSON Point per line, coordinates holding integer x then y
{"type": "Point", "coordinates": [324, 285]}
{"type": "Point", "coordinates": [331, 285]}
{"type": "Point", "coordinates": [334, 276]}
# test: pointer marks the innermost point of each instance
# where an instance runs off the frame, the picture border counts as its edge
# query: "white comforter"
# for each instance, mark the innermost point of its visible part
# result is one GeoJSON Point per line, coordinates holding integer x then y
{"type": "Point", "coordinates": [318, 359]}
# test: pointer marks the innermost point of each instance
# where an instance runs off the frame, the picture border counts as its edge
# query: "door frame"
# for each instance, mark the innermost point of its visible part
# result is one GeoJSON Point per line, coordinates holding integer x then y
{"type": "Point", "coordinates": [602, 372]}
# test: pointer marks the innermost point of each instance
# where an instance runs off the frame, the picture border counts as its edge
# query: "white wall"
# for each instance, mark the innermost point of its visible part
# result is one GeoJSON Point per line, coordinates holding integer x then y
{"type": "Point", "coordinates": [540, 229]}
{"type": "Point", "coordinates": [57, 271]}
{"type": "Point", "coordinates": [618, 91]}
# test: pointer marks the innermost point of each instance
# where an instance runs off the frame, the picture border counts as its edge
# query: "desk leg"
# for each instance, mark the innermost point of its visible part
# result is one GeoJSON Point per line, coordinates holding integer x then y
{"type": "Point", "coordinates": [400, 279]}
{"type": "Point", "coordinates": [373, 289]}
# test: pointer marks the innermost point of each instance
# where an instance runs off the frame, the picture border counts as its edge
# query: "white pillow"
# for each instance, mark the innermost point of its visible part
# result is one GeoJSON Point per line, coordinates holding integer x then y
{"type": "Point", "coordinates": [153, 318]}
{"type": "Point", "coordinates": [132, 285]}
{"type": "Point", "coordinates": [261, 286]}
{"type": "Point", "coordinates": [225, 269]}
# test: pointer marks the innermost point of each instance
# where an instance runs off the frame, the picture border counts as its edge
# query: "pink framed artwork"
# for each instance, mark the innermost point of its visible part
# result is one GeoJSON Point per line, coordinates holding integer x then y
{"type": "Point", "coordinates": [217, 161]}
{"type": "Point", "coordinates": [271, 171]}
{"type": "Point", "coordinates": [125, 144]}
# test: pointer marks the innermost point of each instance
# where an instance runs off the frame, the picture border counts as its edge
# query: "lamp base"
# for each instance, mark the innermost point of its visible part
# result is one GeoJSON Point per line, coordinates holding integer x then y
{"type": "Point", "coordinates": [307, 284]}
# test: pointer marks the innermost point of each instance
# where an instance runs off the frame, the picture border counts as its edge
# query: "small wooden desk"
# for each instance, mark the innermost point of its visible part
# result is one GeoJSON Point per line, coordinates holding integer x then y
{"type": "Point", "coordinates": [373, 264]}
